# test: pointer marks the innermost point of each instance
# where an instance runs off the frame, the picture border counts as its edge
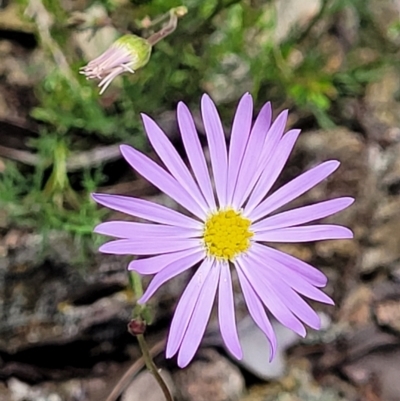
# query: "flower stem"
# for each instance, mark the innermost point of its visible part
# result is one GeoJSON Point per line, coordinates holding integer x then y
{"type": "Point", "coordinates": [128, 376]}
{"type": "Point", "coordinates": [170, 27]}
{"type": "Point", "coordinates": [136, 283]}
{"type": "Point", "coordinates": [153, 368]}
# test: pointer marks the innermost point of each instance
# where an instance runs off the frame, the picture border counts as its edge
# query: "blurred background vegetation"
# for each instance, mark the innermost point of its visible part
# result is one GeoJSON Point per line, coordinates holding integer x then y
{"type": "Point", "coordinates": [314, 61]}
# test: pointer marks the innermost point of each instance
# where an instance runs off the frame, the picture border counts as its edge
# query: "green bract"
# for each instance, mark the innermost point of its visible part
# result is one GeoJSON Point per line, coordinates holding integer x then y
{"type": "Point", "coordinates": [139, 49]}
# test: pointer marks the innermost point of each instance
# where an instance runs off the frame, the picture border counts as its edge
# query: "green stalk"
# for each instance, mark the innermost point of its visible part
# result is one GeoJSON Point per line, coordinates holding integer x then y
{"type": "Point", "coordinates": [153, 368]}
{"type": "Point", "coordinates": [139, 314]}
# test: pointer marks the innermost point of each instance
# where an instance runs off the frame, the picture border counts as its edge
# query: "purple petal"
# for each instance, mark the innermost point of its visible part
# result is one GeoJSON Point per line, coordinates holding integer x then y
{"type": "Point", "coordinates": [274, 135]}
{"type": "Point", "coordinates": [295, 281]}
{"type": "Point", "coordinates": [155, 264]}
{"type": "Point", "coordinates": [200, 316]}
{"type": "Point", "coordinates": [217, 146]}
{"type": "Point", "coordinates": [226, 312]}
{"type": "Point", "coordinates": [147, 247]}
{"type": "Point", "coordinates": [269, 296]}
{"type": "Point", "coordinates": [272, 169]}
{"type": "Point", "coordinates": [293, 301]}
{"type": "Point", "coordinates": [172, 160]}
{"type": "Point", "coordinates": [257, 312]}
{"type": "Point", "coordinates": [129, 229]}
{"type": "Point", "coordinates": [298, 267]}
{"type": "Point", "coordinates": [247, 177]}
{"type": "Point", "coordinates": [184, 310]}
{"type": "Point", "coordinates": [240, 135]}
{"type": "Point", "coordinates": [146, 210]}
{"type": "Point", "coordinates": [294, 189]}
{"type": "Point", "coordinates": [170, 271]}
{"type": "Point", "coordinates": [303, 214]}
{"type": "Point", "coordinates": [283, 291]}
{"type": "Point", "coordinates": [272, 141]}
{"type": "Point", "coordinates": [195, 153]}
{"type": "Point", "coordinates": [106, 81]}
{"type": "Point", "coordinates": [304, 233]}
{"type": "Point", "coordinates": [161, 179]}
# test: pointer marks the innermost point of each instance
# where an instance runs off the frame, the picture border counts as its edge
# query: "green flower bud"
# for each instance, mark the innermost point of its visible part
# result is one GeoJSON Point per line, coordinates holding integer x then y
{"type": "Point", "coordinates": [128, 53]}
{"type": "Point", "coordinates": [139, 49]}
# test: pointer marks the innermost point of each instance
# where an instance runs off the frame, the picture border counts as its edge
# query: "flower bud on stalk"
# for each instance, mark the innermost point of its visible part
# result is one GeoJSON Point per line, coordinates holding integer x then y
{"type": "Point", "coordinates": [136, 326]}
{"type": "Point", "coordinates": [128, 53]}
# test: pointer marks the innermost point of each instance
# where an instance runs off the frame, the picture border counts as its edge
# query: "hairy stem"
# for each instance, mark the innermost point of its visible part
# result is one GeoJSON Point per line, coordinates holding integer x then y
{"type": "Point", "coordinates": [133, 371]}
{"type": "Point", "coordinates": [170, 27]}
{"type": "Point", "coordinates": [153, 368]}
{"type": "Point", "coordinates": [136, 283]}
{"type": "Point", "coordinates": [137, 287]}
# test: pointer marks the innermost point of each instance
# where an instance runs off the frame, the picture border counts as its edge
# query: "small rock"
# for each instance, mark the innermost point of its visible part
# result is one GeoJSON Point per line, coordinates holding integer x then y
{"type": "Point", "coordinates": [356, 307]}
{"type": "Point", "coordinates": [377, 373]}
{"type": "Point", "coordinates": [293, 14]}
{"type": "Point", "coordinates": [384, 236]}
{"type": "Point", "coordinates": [346, 146]}
{"type": "Point", "coordinates": [145, 387]}
{"type": "Point", "coordinates": [256, 349]}
{"type": "Point", "coordinates": [297, 385]}
{"type": "Point", "coordinates": [210, 377]}
{"type": "Point", "coordinates": [374, 258]}
{"type": "Point", "coordinates": [339, 248]}
{"type": "Point", "coordinates": [386, 307]}
{"type": "Point", "coordinates": [380, 97]}
{"type": "Point", "coordinates": [385, 14]}
{"type": "Point", "coordinates": [70, 390]}
{"type": "Point", "coordinates": [11, 19]}
{"type": "Point", "coordinates": [388, 314]}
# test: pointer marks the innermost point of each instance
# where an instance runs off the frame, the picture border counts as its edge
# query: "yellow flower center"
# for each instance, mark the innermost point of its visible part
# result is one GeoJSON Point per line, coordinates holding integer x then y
{"type": "Point", "coordinates": [227, 234]}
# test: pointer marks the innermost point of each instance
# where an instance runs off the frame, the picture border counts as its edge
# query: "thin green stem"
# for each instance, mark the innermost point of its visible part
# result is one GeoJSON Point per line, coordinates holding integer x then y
{"type": "Point", "coordinates": [136, 283]}
{"type": "Point", "coordinates": [170, 27]}
{"type": "Point", "coordinates": [152, 367]}
{"type": "Point", "coordinates": [133, 371]}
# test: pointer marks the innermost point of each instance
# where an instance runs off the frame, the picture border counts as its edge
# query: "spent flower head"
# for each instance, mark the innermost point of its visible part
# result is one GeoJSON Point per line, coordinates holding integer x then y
{"type": "Point", "coordinates": [127, 54]}
{"type": "Point", "coordinates": [235, 227]}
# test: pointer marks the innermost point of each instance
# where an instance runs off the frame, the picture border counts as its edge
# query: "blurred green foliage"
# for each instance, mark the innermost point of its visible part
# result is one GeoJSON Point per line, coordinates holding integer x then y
{"type": "Point", "coordinates": [224, 47]}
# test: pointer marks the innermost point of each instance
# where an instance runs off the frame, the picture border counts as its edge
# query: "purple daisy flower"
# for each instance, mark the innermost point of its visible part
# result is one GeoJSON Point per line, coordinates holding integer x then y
{"type": "Point", "coordinates": [234, 227]}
